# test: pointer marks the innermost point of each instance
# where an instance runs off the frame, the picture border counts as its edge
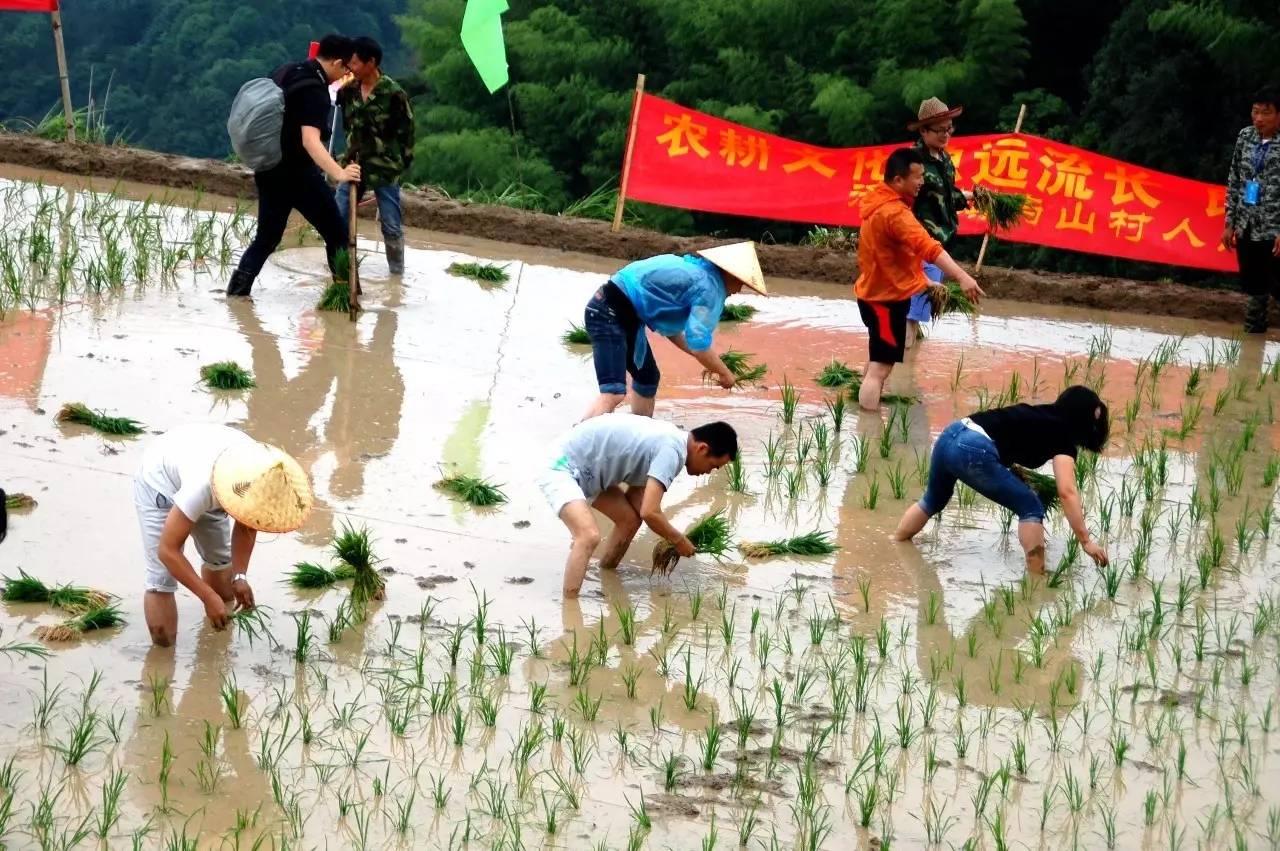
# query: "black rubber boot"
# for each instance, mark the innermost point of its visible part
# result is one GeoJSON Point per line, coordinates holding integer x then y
{"type": "Point", "coordinates": [240, 284]}
{"type": "Point", "coordinates": [395, 256]}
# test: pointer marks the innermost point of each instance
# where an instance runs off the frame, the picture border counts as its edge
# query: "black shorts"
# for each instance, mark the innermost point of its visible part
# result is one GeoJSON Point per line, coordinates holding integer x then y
{"type": "Point", "coordinates": [1259, 267]}
{"type": "Point", "coordinates": [886, 323]}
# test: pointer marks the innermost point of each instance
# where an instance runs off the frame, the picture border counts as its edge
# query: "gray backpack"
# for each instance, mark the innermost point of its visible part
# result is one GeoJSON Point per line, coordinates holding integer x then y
{"type": "Point", "coordinates": [257, 117]}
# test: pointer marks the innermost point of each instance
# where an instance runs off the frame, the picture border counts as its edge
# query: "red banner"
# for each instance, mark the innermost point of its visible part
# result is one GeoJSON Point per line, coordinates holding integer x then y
{"type": "Point", "coordinates": [1078, 200]}
{"type": "Point", "coordinates": [28, 5]}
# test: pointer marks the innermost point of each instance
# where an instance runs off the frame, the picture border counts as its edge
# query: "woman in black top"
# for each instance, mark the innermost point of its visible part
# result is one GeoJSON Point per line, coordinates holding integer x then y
{"type": "Point", "coordinates": [978, 450]}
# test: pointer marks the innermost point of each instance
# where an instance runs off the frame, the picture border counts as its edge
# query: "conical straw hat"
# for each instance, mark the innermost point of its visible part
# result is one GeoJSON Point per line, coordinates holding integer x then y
{"type": "Point", "coordinates": [262, 487]}
{"type": "Point", "coordinates": [738, 259]}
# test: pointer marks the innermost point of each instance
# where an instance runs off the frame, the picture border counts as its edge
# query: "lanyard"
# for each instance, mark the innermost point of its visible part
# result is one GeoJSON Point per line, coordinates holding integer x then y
{"type": "Point", "coordinates": [1260, 155]}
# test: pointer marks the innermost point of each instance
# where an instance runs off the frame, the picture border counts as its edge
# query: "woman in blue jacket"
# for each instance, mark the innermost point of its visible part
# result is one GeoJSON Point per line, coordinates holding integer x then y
{"type": "Point", "coordinates": [679, 297]}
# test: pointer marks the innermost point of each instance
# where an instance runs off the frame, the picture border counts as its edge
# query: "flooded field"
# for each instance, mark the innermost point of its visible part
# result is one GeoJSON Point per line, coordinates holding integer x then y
{"type": "Point", "coordinates": [887, 695]}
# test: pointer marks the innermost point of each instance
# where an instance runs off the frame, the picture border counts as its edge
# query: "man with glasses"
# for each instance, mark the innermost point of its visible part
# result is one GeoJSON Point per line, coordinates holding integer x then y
{"type": "Point", "coordinates": [939, 201]}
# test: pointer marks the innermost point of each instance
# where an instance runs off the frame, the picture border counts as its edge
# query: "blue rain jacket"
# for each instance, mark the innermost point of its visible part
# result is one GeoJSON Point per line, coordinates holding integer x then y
{"type": "Point", "coordinates": [673, 294]}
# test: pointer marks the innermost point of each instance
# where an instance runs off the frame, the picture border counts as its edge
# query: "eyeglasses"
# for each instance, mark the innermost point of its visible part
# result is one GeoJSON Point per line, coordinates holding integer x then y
{"type": "Point", "coordinates": [941, 131]}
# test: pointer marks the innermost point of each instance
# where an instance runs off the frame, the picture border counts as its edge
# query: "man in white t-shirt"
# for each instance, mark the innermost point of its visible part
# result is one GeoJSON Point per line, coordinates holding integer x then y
{"type": "Point", "coordinates": [621, 465]}
{"type": "Point", "coordinates": [219, 487]}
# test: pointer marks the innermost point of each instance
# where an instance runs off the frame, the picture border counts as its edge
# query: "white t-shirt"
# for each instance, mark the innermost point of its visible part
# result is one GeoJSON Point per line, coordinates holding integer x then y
{"type": "Point", "coordinates": [179, 465]}
{"type": "Point", "coordinates": [616, 449]}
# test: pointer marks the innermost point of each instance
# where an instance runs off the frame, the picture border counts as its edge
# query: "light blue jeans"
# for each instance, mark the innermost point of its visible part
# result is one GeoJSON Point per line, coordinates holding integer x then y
{"type": "Point", "coordinates": [921, 309]}
{"type": "Point", "coordinates": [389, 215]}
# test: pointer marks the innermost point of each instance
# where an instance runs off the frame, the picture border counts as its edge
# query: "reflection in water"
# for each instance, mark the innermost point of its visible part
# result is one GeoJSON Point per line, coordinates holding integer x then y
{"type": "Point", "coordinates": [363, 384]}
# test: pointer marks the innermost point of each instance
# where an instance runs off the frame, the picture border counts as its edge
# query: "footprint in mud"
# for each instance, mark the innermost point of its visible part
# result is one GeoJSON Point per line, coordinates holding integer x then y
{"type": "Point", "coordinates": [519, 580]}
{"type": "Point", "coordinates": [429, 582]}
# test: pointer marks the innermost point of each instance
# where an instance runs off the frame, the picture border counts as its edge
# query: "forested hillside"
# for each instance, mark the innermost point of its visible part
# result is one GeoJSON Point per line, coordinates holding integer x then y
{"type": "Point", "coordinates": [1162, 83]}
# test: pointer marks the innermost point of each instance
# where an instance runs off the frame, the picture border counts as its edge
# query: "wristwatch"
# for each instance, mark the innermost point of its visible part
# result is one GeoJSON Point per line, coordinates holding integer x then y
{"type": "Point", "coordinates": [239, 577]}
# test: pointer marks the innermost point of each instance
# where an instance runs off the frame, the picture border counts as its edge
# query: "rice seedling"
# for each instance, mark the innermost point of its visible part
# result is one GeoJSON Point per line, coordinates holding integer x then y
{"type": "Point", "coordinates": [307, 574]}
{"type": "Point", "coordinates": [25, 588]}
{"type": "Point", "coordinates": [1002, 210]}
{"type": "Point", "coordinates": [19, 502]}
{"type": "Point", "coordinates": [76, 412]}
{"type": "Point", "coordinates": [576, 336]}
{"type": "Point", "coordinates": [815, 543]}
{"type": "Point", "coordinates": [872, 496]}
{"type": "Point", "coordinates": [898, 481]}
{"type": "Point", "coordinates": [487, 273]}
{"type": "Point", "coordinates": [790, 401]}
{"type": "Point", "coordinates": [472, 490]}
{"type": "Point", "coordinates": [737, 475]}
{"type": "Point", "coordinates": [710, 536]}
{"type": "Point", "coordinates": [836, 407]}
{"type": "Point", "coordinates": [743, 369]}
{"type": "Point", "coordinates": [1044, 486]}
{"type": "Point", "coordinates": [354, 548]}
{"type": "Point", "coordinates": [226, 375]}
{"type": "Point", "coordinates": [253, 623]}
{"type": "Point", "coordinates": [99, 617]}
{"type": "Point", "coordinates": [737, 312]}
{"type": "Point", "coordinates": [947, 298]}
{"type": "Point", "coordinates": [835, 374]}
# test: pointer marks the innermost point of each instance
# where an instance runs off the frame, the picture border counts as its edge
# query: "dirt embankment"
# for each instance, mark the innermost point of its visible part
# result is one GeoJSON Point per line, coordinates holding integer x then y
{"type": "Point", "coordinates": [432, 211]}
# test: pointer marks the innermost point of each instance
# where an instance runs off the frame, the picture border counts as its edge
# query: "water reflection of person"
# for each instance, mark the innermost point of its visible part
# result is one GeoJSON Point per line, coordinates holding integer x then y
{"type": "Point", "coordinates": [368, 395]}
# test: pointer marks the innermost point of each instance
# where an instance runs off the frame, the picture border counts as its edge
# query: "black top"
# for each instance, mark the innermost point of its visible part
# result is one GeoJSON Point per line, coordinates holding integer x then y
{"type": "Point", "coordinates": [1027, 434]}
{"type": "Point", "coordinates": [306, 104]}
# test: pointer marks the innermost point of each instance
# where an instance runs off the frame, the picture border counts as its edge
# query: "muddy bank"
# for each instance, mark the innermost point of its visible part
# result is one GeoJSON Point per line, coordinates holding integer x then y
{"type": "Point", "coordinates": [432, 211]}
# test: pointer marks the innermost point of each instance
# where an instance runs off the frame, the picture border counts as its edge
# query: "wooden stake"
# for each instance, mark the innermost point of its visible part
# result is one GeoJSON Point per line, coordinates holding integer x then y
{"type": "Point", "coordinates": [353, 269]}
{"type": "Point", "coordinates": [626, 158]}
{"type": "Point", "coordinates": [68, 114]}
{"type": "Point", "coordinates": [986, 237]}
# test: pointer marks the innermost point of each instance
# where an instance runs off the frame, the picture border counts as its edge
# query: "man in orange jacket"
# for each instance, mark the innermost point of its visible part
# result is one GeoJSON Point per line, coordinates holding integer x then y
{"type": "Point", "coordinates": [892, 246]}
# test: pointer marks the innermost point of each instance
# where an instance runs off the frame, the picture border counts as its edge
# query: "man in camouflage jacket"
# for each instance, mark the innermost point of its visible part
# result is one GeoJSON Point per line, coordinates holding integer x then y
{"type": "Point", "coordinates": [378, 121]}
{"type": "Point", "coordinates": [1253, 208]}
{"type": "Point", "coordinates": [939, 202]}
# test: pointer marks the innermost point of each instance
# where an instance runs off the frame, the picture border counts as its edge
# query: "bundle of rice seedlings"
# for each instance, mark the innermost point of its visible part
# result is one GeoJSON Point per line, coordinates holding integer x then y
{"type": "Point", "coordinates": [855, 386]}
{"type": "Point", "coordinates": [354, 548]}
{"type": "Point", "coordinates": [98, 617]}
{"type": "Point", "coordinates": [837, 374]}
{"type": "Point", "coordinates": [576, 335]}
{"type": "Point", "coordinates": [26, 588]}
{"type": "Point", "coordinates": [226, 375]}
{"type": "Point", "coordinates": [337, 296]}
{"type": "Point", "coordinates": [19, 502]}
{"type": "Point", "coordinates": [472, 489]}
{"type": "Point", "coordinates": [740, 365]}
{"type": "Point", "coordinates": [815, 543]}
{"type": "Point", "coordinates": [1045, 487]}
{"type": "Point", "coordinates": [710, 536]}
{"type": "Point", "coordinates": [76, 412]}
{"type": "Point", "coordinates": [947, 298]}
{"type": "Point", "coordinates": [1002, 210]}
{"type": "Point", "coordinates": [307, 574]}
{"type": "Point", "coordinates": [484, 272]}
{"type": "Point", "coordinates": [737, 313]}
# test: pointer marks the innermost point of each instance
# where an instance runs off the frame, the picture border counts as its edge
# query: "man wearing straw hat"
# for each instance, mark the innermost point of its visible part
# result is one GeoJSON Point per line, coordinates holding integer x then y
{"type": "Point", "coordinates": [679, 297]}
{"type": "Point", "coordinates": [939, 202]}
{"type": "Point", "coordinates": [220, 488]}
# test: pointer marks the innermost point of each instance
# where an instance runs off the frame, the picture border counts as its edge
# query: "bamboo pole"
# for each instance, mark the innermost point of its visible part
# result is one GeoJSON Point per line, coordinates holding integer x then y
{"type": "Point", "coordinates": [626, 158]}
{"type": "Point", "coordinates": [353, 268]}
{"type": "Point", "coordinates": [55, 18]}
{"type": "Point", "coordinates": [986, 237]}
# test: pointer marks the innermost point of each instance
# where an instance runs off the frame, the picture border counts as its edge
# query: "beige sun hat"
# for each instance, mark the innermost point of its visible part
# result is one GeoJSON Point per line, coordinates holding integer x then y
{"type": "Point", "coordinates": [738, 259]}
{"type": "Point", "coordinates": [262, 487]}
{"type": "Point", "coordinates": [932, 110]}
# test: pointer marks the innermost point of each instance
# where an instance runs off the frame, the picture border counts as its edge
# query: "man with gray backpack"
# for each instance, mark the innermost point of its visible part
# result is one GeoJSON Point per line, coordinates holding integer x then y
{"type": "Point", "coordinates": [279, 127]}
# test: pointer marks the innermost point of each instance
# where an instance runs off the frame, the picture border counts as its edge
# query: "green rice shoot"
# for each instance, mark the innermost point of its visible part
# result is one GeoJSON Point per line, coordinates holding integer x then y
{"type": "Point", "coordinates": [19, 502]}
{"type": "Point", "coordinates": [487, 273]}
{"type": "Point", "coordinates": [26, 588]}
{"type": "Point", "coordinates": [1002, 210]}
{"type": "Point", "coordinates": [710, 536]}
{"type": "Point", "coordinates": [742, 367]}
{"type": "Point", "coordinates": [226, 375]}
{"type": "Point", "coordinates": [736, 312]}
{"type": "Point", "coordinates": [336, 298]}
{"type": "Point", "coordinates": [576, 335]}
{"type": "Point", "coordinates": [354, 548]}
{"type": "Point", "coordinates": [81, 414]}
{"type": "Point", "coordinates": [1044, 486]}
{"type": "Point", "coordinates": [837, 374]}
{"type": "Point", "coordinates": [306, 574]}
{"type": "Point", "coordinates": [472, 489]}
{"type": "Point", "coordinates": [949, 298]}
{"type": "Point", "coordinates": [815, 543]}
{"type": "Point", "coordinates": [105, 616]}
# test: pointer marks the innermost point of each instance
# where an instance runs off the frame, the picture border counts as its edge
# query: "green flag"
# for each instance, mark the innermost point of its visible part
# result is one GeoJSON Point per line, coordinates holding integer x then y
{"type": "Point", "coordinates": [482, 39]}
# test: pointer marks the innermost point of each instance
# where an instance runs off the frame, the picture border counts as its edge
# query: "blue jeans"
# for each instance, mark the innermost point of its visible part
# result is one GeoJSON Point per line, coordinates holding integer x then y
{"type": "Point", "coordinates": [921, 309]}
{"type": "Point", "coordinates": [962, 454]}
{"type": "Point", "coordinates": [613, 348]}
{"type": "Point", "coordinates": [388, 208]}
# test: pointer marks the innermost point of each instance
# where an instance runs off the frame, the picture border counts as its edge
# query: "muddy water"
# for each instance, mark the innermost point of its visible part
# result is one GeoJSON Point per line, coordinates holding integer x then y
{"type": "Point", "coordinates": [968, 669]}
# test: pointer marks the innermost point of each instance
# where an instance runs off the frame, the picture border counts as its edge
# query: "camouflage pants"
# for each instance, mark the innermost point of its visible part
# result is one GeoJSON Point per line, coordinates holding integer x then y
{"type": "Point", "coordinates": [1260, 279]}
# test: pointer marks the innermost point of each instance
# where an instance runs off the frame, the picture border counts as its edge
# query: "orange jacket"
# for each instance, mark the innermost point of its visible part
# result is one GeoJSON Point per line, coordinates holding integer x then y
{"type": "Point", "coordinates": [892, 244]}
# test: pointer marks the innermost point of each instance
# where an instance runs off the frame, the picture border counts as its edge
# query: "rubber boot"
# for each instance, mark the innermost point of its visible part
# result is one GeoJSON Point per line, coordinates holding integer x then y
{"type": "Point", "coordinates": [395, 256]}
{"type": "Point", "coordinates": [240, 284]}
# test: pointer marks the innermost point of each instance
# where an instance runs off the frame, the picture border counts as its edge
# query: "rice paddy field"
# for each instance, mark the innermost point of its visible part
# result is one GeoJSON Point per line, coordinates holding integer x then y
{"type": "Point", "coordinates": [810, 685]}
